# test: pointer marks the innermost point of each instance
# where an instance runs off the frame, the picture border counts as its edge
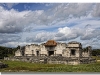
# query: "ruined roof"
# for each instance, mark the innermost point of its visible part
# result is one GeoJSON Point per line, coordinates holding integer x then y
{"type": "Point", "coordinates": [51, 43]}
{"type": "Point", "coordinates": [74, 42]}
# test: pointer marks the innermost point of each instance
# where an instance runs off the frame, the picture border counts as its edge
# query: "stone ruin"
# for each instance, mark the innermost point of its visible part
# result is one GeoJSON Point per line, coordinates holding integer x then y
{"type": "Point", "coordinates": [54, 53]}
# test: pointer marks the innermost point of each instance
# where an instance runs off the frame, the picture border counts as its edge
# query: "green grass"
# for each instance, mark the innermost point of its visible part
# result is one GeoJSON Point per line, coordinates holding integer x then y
{"type": "Point", "coordinates": [18, 66]}
{"type": "Point", "coordinates": [97, 58]}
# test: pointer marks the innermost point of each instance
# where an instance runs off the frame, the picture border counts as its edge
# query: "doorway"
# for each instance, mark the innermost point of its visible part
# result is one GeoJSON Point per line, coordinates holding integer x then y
{"type": "Point", "coordinates": [37, 53]}
{"type": "Point", "coordinates": [50, 53]}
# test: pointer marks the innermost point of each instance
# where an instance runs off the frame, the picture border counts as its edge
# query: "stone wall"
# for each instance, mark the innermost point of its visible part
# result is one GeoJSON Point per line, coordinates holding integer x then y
{"type": "Point", "coordinates": [53, 60]}
{"type": "Point", "coordinates": [61, 53]}
{"type": "Point", "coordinates": [18, 53]}
{"type": "Point", "coordinates": [43, 50]}
{"type": "Point", "coordinates": [87, 52]}
{"type": "Point", "coordinates": [31, 49]}
{"type": "Point", "coordinates": [72, 45]}
{"type": "Point", "coordinates": [77, 47]}
{"type": "Point", "coordinates": [62, 49]}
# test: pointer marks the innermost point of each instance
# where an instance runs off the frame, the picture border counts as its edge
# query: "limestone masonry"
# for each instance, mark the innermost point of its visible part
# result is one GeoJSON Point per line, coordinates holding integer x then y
{"type": "Point", "coordinates": [53, 48]}
{"type": "Point", "coordinates": [55, 52]}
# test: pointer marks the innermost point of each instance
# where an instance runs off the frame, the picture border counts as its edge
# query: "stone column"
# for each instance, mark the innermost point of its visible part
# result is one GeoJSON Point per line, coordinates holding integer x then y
{"type": "Point", "coordinates": [32, 52]}
{"type": "Point", "coordinates": [55, 52]}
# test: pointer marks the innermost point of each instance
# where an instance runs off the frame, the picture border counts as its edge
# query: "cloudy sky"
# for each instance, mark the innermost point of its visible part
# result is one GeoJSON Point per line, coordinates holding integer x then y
{"type": "Point", "coordinates": [27, 23]}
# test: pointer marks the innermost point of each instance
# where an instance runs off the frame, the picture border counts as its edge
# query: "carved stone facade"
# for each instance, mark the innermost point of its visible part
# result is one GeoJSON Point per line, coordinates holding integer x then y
{"type": "Point", "coordinates": [71, 49]}
{"type": "Point", "coordinates": [55, 52]}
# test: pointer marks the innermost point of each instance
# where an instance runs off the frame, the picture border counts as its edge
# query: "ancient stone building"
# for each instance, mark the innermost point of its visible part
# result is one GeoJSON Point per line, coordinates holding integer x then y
{"type": "Point", "coordinates": [55, 52]}
{"type": "Point", "coordinates": [53, 48]}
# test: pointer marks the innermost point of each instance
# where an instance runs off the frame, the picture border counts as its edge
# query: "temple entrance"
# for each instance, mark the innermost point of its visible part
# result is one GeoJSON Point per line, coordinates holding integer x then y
{"type": "Point", "coordinates": [50, 53]}
{"type": "Point", "coordinates": [37, 53]}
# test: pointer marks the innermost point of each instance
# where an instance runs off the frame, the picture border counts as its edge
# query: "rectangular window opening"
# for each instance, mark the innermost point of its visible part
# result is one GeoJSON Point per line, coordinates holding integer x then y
{"type": "Point", "coordinates": [72, 52]}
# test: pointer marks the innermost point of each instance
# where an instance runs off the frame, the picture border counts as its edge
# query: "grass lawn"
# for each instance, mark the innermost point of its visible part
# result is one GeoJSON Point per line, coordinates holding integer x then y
{"type": "Point", "coordinates": [97, 58]}
{"type": "Point", "coordinates": [18, 66]}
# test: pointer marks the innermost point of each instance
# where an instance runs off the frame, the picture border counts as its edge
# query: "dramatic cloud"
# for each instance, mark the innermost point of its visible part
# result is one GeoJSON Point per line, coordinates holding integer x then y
{"type": "Point", "coordinates": [66, 33]}
{"type": "Point", "coordinates": [41, 37]}
{"type": "Point", "coordinates": [61, 22]}
{"type": "Point", "coordinates": [13, 21]}
{"type": "Point", "coordinates": [4, 38]}
{"type": "Point", "coordinates": [74, 9]}
{"type": "Point", "coordinates": [90, 34]}
{"type": "Point", "coordinates": [63, 34]}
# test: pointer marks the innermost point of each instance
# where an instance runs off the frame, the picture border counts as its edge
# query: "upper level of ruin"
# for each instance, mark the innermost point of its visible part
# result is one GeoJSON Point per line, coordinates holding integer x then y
{"type": "Point", "coordinates": [50, 43]}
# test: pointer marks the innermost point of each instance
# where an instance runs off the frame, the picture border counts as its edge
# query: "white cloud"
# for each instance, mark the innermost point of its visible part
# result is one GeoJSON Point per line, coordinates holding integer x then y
{"type": "Point", "coordinates": [15, 44]}
{"type": "Point", "coordinates": [13, 21]}
{"type": "Point", "coordinates": [4, 38]}
{"type": "Point", "coordinates": [63, 34]}
{"type": "Point", "coordinates": [60, 15]}
{"type": "Point", "coordinates": [41, 37]}
{"type": "Point", "coordinates": [64, 30]}
{"type": "Point", "coordinates": [49, 4]}
{"type": "Point", "coordinates": [96, 11]}
{"type": "Point", "coordinates": [63, 11]}
{"type": "Point", "coordinates": [8, 5]}
{"type": "Point", "coordinates": [66, 33]}
{"type": "Point", "coordinates": [88, 34]}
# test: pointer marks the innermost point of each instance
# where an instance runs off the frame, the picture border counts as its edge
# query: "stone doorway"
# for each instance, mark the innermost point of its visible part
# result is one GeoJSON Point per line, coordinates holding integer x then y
{"type": "Point", "coordinates": [50, 53]}
{"type": "Point", "coordinates": [37, 53]}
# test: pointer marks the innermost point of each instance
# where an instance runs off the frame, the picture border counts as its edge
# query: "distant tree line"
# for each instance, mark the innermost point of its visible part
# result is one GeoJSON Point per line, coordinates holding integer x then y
{"type": "Point", "coordinates": [85, 49]}
{"type": "Point", "coordinates": [96, 52]}
{"type": "Point", "coordinates": [6, 51]}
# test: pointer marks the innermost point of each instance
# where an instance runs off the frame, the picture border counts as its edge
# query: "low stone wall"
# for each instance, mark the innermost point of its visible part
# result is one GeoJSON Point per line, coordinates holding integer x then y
{"type": "Point", "coordinates": [87, 60]}
{"type": "Point", "coordinates": [72, 62]}
{"type": "Point", "coordinates": [53, 60]}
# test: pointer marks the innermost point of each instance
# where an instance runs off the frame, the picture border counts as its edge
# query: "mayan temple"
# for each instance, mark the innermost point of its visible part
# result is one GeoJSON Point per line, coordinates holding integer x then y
{"type": "Point", "coordinates": [54, 52]}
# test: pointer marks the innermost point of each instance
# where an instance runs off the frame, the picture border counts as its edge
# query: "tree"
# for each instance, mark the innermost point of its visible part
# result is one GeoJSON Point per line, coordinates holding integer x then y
{"type": "Point", "coordinates": [96, 52]}
{"type": "Point", "coordinates": [18, 47]}
{"type": "Point", "coordinates": [6, 52]}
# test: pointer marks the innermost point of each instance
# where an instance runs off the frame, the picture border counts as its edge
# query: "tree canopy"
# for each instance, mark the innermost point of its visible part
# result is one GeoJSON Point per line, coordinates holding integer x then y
{"type": "Point", "coordinates": [6, 52]}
